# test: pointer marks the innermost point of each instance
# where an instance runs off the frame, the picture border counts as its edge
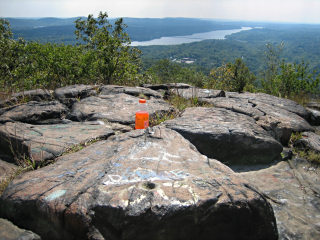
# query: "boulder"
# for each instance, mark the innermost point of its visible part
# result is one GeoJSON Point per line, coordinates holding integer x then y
{"type": "Point", "coordinates": [70, 94]}
{"type": "Point", "coordinates": [166, 86]}
{"type": "Point", "coordinates": [236, 105]}
{"type": "Point", "coordinates": [44, 142]}
{"type": "Point", "coordinates": [278, 121]}
{"type": "Point", "coordinates": [292, 187]}
{"type": "Point", "coordinates": [35, 112]}
{"type": "Point", "coordinates": [8, 231]}
{"type": "Point", "coordinates": [314, 116]}
{"type": "Point", "coordinates": [281, 123]}
{"type": "Point", "coordinates": [308, 141]}
{"type": "Point", "coordinates": [283, 103]}
{"type": "Point", "coordinates": [134, 91]}
{"type": "Point", "coordinates": [6, 170]}
{"type": "Point", "coordinates": [228, 136]}
{"type": "Point", "coordinates": [120, 108]}
{"type": "Point", "coordinates": [201, 94]}
{"type": "Point", "coordinates": [314, 104]}
{"type": "Point", "coordinates": [138, 185]}
{"type": "Point", "coordinates": [25, 96]}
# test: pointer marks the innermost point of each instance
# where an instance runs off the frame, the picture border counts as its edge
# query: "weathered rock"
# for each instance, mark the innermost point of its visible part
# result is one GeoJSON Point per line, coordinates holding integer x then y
{"type": "Point", "coordinates": [315, 104]}
{"type": "Point", "coordinates": [225, 135]}
{"type": "Point", "coordinates": [198, 93]}
{"type": "Point", "coordinates": [308, 141]}
{"type": "Point", "coordinates": [279, 122]}
{"type": "Point", "coordinates": [43, 142]}
{"type": "Point", "coordinates": [35, 112]}
{"type": "Point", "coordinates": [293, 189]}
{"type": "Point", "coordinates": [120, 108]}
{"type": "Point", "coordinates": [236, 105]}
{"type": "Point", "coordinates": [31, 95]}
{"type": "Point", "coordinates": [314, 116]}
{"type": "Point", "coordinates": [71, 94]}
{"type": "Point", "coordinates": [8, 231]}
{"type": "Point", "coordinates": [166, 86]}
{"type": "Point", "coordinates": [6, 169]}
{"type": "Point", "coordinates": [272, 101]}
{"type": "Point", "coordinates": [134, 91]}
{"type": "Point", "coordinates": [138, 186]}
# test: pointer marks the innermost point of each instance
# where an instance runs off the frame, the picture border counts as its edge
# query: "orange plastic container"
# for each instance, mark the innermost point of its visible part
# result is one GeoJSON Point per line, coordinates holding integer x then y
{"type": "Point", "coordinates": [142, 117]}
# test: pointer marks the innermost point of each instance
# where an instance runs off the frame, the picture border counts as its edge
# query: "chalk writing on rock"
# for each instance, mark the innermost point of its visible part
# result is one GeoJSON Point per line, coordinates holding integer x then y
{"type": "Point", "coordinates": [140, 175]}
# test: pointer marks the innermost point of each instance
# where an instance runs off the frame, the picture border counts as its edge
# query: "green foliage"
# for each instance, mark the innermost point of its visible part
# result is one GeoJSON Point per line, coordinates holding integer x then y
{"type": "Point", "coordinates": [232, 77]}
{"type": "Point", "coordinates": [166, 71]}
{"type": "Point", "coordinates": [287, 79]}
{"type": "Point", "coordinates": [109, 48]}
{"type": "Point", "coordinates": [105, 57]}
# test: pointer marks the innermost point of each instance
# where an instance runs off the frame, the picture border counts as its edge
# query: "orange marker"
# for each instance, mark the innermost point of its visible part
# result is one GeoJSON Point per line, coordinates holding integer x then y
{"type": "Point", "coordinates": [142, 116]}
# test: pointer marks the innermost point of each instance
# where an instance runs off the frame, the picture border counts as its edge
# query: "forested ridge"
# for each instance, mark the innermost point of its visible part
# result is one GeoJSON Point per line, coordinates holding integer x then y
{"type": "Point", "coordinates": [280, 59]}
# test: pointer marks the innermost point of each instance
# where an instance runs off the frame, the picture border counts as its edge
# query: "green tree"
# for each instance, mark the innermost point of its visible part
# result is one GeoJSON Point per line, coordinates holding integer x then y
{"type": "Point", "coordinates": [109, 48]}
{"type": "Point", "coordinates": [232, 77]}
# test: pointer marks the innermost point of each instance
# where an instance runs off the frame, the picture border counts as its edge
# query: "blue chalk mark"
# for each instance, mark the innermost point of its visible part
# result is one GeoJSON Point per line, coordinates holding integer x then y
{"type": "Point", "coordinates": [55, 195]}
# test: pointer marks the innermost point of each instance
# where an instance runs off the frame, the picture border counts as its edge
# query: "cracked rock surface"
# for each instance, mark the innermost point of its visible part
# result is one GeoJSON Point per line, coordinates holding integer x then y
{"type": "Point", "coordinates": [225, 135]}
{"type": "Point", "coordinates": [138, 186]}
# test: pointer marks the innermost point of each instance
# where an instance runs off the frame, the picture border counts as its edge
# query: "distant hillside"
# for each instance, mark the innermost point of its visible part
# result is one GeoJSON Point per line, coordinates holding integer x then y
{"type": "Point", "coordinates": [61, 30]}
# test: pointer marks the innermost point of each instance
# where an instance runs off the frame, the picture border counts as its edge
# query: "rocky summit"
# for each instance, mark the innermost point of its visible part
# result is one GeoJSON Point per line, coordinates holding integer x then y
{"type": "Point", "coordinates": [73, 167]}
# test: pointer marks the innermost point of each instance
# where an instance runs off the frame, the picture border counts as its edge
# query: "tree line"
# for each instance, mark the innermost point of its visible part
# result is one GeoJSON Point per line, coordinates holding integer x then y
{"type": "Point", "coordinates": [103, 55]}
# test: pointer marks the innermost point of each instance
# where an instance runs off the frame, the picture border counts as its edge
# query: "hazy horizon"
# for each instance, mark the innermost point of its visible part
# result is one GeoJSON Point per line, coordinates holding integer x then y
{"type": "Point", "coordinates": [289, 11]}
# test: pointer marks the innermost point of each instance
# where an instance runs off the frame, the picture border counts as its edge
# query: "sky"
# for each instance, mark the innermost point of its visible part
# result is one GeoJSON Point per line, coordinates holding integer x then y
{"type": "Point", "coordinates": [305, 11]}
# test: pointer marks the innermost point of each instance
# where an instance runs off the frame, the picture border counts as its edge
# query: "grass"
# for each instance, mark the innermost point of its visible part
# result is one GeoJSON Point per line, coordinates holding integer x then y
{"type": "Point", "coordinates": [181, 103]}
{"type": "Point", "coordinates": [308, 154]}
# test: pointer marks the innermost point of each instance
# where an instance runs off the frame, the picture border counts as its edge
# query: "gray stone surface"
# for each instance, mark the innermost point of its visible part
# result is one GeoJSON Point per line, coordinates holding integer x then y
{"type": "Point", "coordinates": [31, 95]}
{"type": "Point", "coordinates": [138, 185]}
{"type": "Point", "coordinates": [198, 93]}
{"type": "Point", "coordinates": [278, 121]}
{"type": "Point", "coordinates": [44, 142]}
{"type": "Point", "coordinates": [6, 170]}
{"type": "Point", "coordinates": [314, 116]}
{"type": "Point", "coordinates": [293, 189]}
{"type": "Point", "coordinates": [8, 231]}
{"type": "Point", "coordinates": [309, 141]}
{"type": "Point", "coordinates": [120, 108]}
{"type": "Point", "coordinates": [70, 94]}
{"type": "Point", "coordinates": [134, 91]}
{"type": "Point", "coordinates": [286, 104]}
{"type": "Point", "coordinates": [34, 112]}
{"type": "Point", "coordinates": [166, 86]}
{"type": "Point", "coordinates": [225, 135]}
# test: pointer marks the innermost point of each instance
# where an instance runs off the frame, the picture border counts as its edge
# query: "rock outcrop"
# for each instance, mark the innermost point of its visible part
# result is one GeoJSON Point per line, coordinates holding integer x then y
{"type": "Point", "coordinates": [118, 108]}
{"type": "Point", "coordinates": [308, 141]}
{"type": "Point", "coordinates": [293, 189]}
{"type": "Point", "coordinates": [230, 137]}
{"type": "Point", "coordinates": [8, 231]}
{"type": "Point", "coordinates": [44, 142]}
{"type": "Point", "coordinates": [138, 185]}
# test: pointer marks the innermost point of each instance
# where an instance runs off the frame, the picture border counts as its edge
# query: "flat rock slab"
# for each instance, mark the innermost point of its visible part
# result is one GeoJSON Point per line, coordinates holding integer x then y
{"type": "Point", "coordinates": [34, 112]}
{"type": "Point", "coordinates": [120, 108]}
{"type": "Point", "coordinates": [6, 169]}
{"type": "Point", "coordinates": [166, 86]}
{"type": "Point", "coordinates": [134, 91]}
{"type": "Point", "coordinates": [138, 185]}
{"type": "Point", "coordinates": [286, 104]}
{"type": "Point", "coordinates": [70, 94]}
{"type": "Point", "coordinates": [309, 141]}
{"type": "Point", "coordinates": [31, 95]}
{"type": "Point", "coordinates": [199, 93]}
{"type": "Point", "coordinates": [43, 142]}
{"type": "Point", "coordinates": [230, 137]}
{"type": "Point", "coordinates": [8, 231]}
{"type": "Point", "coordinates": [293, 189]}
{"type": "Point", "coordinates": [315, 116]}
{"type": "Point", "coordinates": [280, 123]}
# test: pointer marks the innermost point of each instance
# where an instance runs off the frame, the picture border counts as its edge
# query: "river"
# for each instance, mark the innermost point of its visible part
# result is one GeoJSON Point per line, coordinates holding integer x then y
{"type": "Point", "coordinates": [197, 37]}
